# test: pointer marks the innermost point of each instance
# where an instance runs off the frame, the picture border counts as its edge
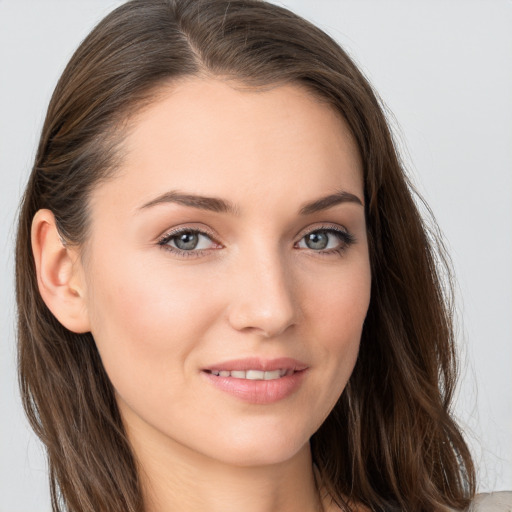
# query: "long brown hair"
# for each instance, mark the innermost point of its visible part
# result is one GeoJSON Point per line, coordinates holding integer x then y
{"type": "Point", "coordinates": [390, 441]}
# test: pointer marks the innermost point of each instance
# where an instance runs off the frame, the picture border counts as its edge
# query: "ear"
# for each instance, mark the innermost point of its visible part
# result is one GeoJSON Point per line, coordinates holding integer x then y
{"type": "Point", "coordinates": [59, 274]}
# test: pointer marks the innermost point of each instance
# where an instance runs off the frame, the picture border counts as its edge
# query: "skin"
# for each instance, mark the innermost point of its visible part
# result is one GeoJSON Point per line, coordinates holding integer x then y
{"type": "Point", "coordinates": [254, 289]}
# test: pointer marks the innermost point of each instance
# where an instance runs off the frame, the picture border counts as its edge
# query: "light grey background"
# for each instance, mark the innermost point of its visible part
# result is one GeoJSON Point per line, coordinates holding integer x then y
{"type": "Point", "coordinates": [444, 68]}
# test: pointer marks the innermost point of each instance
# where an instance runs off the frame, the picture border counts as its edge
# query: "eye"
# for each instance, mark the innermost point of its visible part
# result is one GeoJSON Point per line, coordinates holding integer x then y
{"type": "Point", "coordinates": [187, 240]}
{"type": "Point", "coordinates": [326, 240]}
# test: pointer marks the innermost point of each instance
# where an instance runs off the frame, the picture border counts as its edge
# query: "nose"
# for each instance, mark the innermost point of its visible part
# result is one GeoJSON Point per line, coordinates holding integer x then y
{"type": "Point", "coordinates": [262, 298]}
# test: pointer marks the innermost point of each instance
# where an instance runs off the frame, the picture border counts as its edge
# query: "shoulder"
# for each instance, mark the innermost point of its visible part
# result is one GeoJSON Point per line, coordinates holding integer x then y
{"type": "Point", "coordinates": [492, 502]}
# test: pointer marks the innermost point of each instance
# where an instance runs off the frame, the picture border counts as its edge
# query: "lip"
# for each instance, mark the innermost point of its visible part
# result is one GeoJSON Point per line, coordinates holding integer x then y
{"type": "Point", "coordinates": [258, 391]}
{"type": "Point", "coordinates": [256, 363]}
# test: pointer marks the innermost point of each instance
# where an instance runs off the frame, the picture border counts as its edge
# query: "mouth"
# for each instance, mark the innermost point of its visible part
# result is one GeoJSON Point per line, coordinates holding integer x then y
{"type": "Point", "coordinates": [258, 381]}
{"type": "Point", "coordinates": [253, 374]}
{"type": "Point", "coordinates": [254, 368]}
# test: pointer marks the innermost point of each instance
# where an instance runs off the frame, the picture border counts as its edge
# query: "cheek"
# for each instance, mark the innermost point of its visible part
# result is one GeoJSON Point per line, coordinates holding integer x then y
{"type": "Point", "coordinates": [337, 301]}
{"type": "Point", "coordinates": [336, 310]}
{"type": "Point", "coordinates": [145, 321]}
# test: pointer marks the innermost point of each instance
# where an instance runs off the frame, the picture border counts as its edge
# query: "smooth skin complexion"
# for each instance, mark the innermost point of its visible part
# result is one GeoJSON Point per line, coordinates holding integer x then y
{"type": "Point", "coordinates": [232, 239]}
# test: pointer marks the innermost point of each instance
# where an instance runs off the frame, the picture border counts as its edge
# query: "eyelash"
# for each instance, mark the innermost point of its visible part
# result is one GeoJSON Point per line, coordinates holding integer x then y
{"type": "Point", "coordinates": [163, 242]}
{"type": "Point", "coordinates": [346, 239]}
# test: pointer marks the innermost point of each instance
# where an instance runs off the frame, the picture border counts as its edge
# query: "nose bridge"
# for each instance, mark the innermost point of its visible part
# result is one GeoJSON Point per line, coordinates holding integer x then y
{"type": "Point", "coordinates": [263, 299]}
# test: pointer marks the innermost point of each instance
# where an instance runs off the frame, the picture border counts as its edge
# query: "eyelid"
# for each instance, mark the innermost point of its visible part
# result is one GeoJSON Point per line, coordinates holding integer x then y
{"type": "Point", "coordinates": [163, 240]}
{"type": "Point", "coordinates": [323, 227]}
{"type": "Point", "coordinates": [203, 230]}
{"type": "Point", "coordinates": [346, 238]}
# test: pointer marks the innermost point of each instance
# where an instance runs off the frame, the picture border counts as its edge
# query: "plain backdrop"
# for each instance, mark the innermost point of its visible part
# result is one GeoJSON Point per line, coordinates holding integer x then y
{"type": "Point", "coordinates": [443, 68]}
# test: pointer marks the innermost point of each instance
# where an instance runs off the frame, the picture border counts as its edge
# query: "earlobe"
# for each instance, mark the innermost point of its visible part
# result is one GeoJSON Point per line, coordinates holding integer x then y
{"type": "Point", "coordinates": [59, 274]}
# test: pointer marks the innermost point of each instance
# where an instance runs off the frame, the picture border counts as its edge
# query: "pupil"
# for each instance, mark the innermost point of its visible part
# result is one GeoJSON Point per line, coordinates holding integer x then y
{"type": "Point", "coordinates": [318, 240]}
{"type": "Point", "coordinates": [186, 241]}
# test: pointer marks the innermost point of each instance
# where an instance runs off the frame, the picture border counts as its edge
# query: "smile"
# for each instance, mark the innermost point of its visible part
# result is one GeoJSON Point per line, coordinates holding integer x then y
{"type": "Point", "coordinates": [253, 374]}
{"type": "Point", "coordinates": [257, 381]}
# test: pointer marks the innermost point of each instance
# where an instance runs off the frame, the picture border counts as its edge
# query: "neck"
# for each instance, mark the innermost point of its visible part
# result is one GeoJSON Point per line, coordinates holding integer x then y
{"type": "Point", "coordinates": [179, 479]}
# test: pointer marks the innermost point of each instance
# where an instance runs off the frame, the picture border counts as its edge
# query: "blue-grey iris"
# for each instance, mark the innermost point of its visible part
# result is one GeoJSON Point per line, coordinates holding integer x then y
{"type": "Point", "coordinates": [317, 240]}
{"type": "Point", "coordinates": [186, 241]}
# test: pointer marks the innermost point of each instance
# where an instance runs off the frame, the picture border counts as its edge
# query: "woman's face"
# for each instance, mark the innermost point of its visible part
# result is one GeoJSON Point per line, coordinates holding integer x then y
{"type": "Point", "coordinates": [227, 271]}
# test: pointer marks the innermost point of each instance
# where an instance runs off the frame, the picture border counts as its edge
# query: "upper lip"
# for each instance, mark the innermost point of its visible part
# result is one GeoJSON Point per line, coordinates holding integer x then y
{"type": "Point", "coordinates": [256, 363]}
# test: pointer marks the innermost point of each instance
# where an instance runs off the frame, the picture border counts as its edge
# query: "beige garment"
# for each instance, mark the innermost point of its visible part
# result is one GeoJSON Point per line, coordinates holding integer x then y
{"type": "Point", "coordinates": [492, 502]}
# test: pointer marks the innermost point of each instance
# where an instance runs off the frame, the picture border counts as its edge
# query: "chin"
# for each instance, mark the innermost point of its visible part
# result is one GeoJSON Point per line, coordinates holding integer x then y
{"type": "Point", "coordinates": [262, 449]}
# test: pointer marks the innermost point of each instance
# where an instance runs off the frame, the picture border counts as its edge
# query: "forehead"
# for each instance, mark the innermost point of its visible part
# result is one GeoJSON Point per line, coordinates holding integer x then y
{"type": "Point", "coordinates": [212, 137]}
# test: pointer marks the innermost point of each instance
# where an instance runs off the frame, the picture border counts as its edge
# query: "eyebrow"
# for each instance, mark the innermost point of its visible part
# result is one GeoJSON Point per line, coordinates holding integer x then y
{"type": "Point", "coordinates": [212, 204]}
{"type": "Point", "coordinates": [329, 201]}
{"type": "Point", "coordinates": [218, 205]}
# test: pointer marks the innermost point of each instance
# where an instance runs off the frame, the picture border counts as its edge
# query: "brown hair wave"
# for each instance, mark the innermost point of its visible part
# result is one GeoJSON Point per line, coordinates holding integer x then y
{"type": "Point", "coordinates": [390, 442]}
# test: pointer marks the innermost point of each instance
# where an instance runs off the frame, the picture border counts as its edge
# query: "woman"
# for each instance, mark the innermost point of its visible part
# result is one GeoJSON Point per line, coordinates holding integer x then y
{"type": "Point", "coordinates": [226, 295]}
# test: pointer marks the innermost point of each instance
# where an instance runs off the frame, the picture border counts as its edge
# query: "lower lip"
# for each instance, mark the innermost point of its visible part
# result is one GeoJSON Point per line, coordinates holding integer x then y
{"type": "Point", "coordinates": [258, 391]}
